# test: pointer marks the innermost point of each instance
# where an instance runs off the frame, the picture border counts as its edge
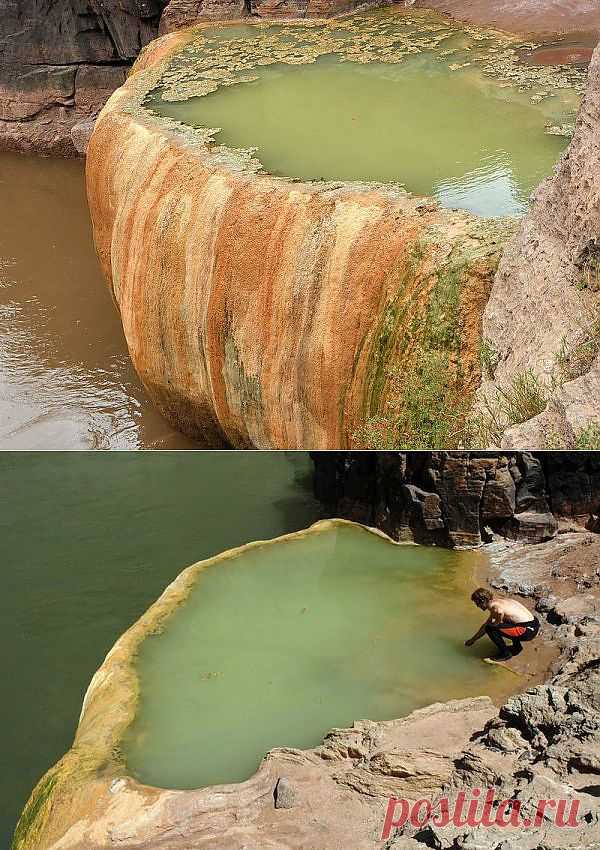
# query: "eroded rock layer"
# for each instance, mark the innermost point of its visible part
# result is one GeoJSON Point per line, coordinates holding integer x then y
{"type": "Point", "coordinates": [264, 312]}
{"type": "Point", "coordinates": [461, 498]}
{"type": "Point", "coordinates": [526, 16]}
{"type": "Point", "coordinates": [184, 13]}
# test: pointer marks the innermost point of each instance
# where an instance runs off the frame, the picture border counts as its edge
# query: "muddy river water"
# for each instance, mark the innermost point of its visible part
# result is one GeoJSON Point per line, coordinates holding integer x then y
{"type": "Point", "coordinates": [66, 380]}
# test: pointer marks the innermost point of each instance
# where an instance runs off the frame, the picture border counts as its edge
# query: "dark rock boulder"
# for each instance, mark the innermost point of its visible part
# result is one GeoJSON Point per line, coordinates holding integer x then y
{"type": "Point", "coordinates": [499, 494]}
{"type": "Point", "coordinates": [532, 527]}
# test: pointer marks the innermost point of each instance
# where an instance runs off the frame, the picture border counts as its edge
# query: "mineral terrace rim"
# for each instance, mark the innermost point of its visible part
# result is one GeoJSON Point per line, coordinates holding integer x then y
{"type": "Point", "coordinates": [116, 684]}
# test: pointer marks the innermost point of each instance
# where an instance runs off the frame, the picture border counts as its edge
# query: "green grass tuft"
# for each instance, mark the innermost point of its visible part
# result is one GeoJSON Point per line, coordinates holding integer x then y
{"type": "Point", "coordinates": [589, 437]}
{"type": "Point", "coordinates": [526, 396]}
{"type": "Point", "coordinates": [489, 357]}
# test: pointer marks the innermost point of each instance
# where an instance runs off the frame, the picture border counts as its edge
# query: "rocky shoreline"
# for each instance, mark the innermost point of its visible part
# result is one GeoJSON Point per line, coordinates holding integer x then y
{"type": "Point", "coordinates": [546, 739]}
{"type": "Point", "coordinates": [543, 743]}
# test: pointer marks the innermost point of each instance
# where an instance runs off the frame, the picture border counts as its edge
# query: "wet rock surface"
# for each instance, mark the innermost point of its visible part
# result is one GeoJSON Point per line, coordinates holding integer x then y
{"type": "Point", "coordinates": [461, 498]}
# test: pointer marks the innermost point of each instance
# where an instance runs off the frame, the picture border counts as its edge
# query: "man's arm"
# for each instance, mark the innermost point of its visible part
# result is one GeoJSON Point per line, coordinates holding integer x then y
{"type": "Point", "coordinates": [479, 633]}
{"type": "Point", "coordinates": [493, 620]}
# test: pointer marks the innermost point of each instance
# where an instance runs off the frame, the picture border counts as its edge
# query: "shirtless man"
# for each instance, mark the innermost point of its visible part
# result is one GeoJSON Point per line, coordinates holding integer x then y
{"type": "Point", "coordinates": [508, 619]}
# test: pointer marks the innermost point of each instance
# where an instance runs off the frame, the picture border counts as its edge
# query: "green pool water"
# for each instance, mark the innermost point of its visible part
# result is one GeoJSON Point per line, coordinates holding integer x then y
{"type": "Point", "coordinates": [89, 540]}
{"type": "Point", "coordinates": [386, 97]}
{"type": "Point", "coordinates": [284, 642]}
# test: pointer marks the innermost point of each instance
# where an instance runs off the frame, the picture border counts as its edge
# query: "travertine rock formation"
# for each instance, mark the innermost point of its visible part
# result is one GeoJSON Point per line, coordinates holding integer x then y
{"type": "Point", "coordinates": [541, 744]}
{"type": "Point", "coordinates": [461, 498]}
{"type": "Point", "coordinates": [543, 313]}
{"type": "Point", "coordinates": [60, 61]}
{"type": "Point", "coordinates": [262, 312]}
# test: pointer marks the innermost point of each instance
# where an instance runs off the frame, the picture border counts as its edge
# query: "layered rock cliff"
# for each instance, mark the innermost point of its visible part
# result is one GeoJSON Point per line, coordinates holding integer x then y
{"type": "Point", "coordinates": [59, 63]}
{"type": "Point", "coordinates": [543, 316]}
{"type": "Point", "coordinates": [526, 16]}
{"type": "Point", "coordinates": [461, 498]}
{"type": "Point", "coordinates": [184, 13]}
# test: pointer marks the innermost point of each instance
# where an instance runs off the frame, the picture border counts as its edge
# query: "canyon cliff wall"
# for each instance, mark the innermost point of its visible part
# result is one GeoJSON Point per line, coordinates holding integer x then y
{"type": "Point", "coordinates": [539, 17]}
{"type": "Point", "coordinates": [461, 498]}
{"type": "Point", "coordinates": [59, 63]}
{"type": "Point", "coordinates": [544, 310]}
{"type": "Point", "coordinates": [522, 16]}
{"type": "Point", "coordinates": [261, 312]}
{"type": "Point", "coordinates": [185, 13]}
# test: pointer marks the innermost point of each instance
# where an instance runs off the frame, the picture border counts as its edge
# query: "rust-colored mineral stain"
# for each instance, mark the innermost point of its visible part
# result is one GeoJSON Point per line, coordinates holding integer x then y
{"type": "Point", "coordinates": [254, 307]}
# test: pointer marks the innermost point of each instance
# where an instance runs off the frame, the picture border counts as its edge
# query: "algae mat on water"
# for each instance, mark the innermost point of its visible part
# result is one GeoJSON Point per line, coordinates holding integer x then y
{"type": "Point", "coordinates": [443, 109]}
{"type": "Point", "coordinates": [280, 643]}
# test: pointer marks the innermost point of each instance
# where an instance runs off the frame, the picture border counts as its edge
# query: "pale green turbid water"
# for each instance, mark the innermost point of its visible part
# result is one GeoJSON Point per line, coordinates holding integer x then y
{"type": "Point", "coordinates": [89, 540]}
{"type": "Point", "coordinates": [283, 642]}
{"type": "Point", "coordinates": [384, 97]}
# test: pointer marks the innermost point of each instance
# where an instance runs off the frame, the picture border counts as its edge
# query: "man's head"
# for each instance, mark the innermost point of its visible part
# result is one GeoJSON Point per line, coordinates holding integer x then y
{"type": "Point", "coordinates": [482, 598]}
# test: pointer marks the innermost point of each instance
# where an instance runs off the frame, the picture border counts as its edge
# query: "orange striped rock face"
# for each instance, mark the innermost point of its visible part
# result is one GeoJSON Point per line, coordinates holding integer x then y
{"type": "Point", "coordinates": [261, 312]}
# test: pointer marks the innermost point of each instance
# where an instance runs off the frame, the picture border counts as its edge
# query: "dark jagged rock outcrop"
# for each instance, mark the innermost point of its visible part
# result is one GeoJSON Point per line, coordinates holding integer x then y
{"type": "Point", "coordinates": [60, 61]}
{"type": "Point", "coordinates": [461, 498]}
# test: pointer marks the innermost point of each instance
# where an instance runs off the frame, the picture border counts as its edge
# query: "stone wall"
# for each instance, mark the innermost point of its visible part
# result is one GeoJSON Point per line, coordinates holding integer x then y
{"type": "Point", "coordinates": [460, 498]}
{"type": "Point", "coordinates": [60, 61]}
